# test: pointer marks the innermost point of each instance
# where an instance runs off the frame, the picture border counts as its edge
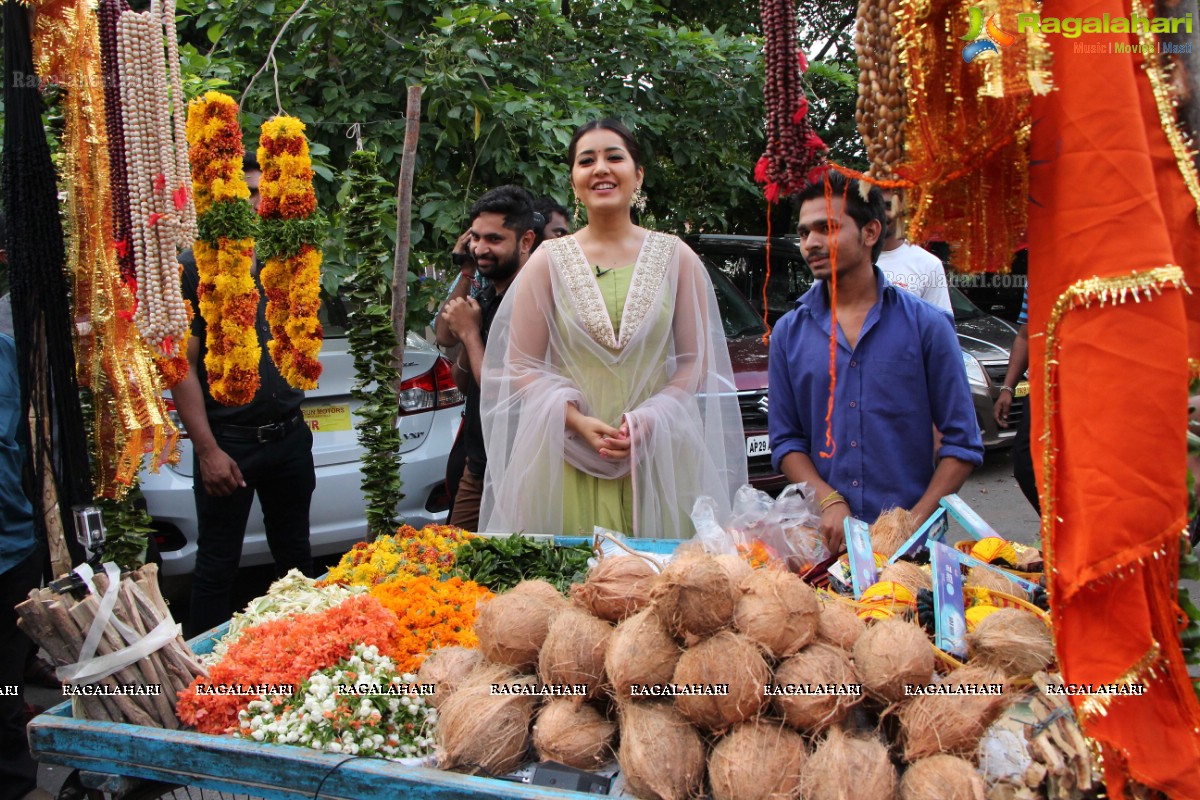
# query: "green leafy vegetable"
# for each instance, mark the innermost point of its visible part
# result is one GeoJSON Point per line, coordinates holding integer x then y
{"type": "Point", "coordinates": [502, 563]}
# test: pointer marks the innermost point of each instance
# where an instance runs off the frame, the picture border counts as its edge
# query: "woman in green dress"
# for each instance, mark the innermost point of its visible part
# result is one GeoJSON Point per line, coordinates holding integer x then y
{"type": "Point", "coordinates": [607, 394]}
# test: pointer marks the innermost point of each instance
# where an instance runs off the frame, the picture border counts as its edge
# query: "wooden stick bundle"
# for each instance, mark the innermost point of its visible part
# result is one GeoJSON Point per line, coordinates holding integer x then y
{"type": "Point", "coordinates": [60, 624]}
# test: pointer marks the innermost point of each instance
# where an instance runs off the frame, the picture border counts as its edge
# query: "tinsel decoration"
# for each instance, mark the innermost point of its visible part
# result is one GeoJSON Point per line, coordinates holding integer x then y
{"type": "Point", "coordinates": [224, 250]}
{"type": "Point", "coordinates": [127, 416]}
{"type": "Point", "coordinates": [880, 108]}
{"type": "Point", "coordinates": [291, 231]}
{"type": "Point", "coordinates": [967, 132]}
{"type": "Point", "coordinates": [41, 306]}
{"type": "Point", "coordinates": [372, 340]}
{"type": "Point", "coordinates": [793, 148]}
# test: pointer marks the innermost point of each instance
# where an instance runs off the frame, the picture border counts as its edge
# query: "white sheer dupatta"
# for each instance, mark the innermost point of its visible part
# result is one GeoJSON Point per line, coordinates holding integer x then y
{"type": "Point", "coordinates": [666, 371]}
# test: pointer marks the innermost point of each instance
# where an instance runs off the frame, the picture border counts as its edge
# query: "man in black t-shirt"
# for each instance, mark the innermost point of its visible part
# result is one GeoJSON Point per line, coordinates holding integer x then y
{"type": "Point", "coordinates": [263, 448]}
{"type": "Point", "coordinates": [501, 238]}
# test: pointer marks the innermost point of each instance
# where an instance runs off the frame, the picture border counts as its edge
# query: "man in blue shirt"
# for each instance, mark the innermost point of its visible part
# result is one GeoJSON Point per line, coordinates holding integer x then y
{"type": "Point", "coordinates": [20, 571]}
{"type": "Point", "coordinates": [899, 373]}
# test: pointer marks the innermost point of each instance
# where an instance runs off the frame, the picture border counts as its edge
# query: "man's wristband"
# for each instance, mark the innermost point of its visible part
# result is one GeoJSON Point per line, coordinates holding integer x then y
{"type": "Point", "coordinates": [1010, 389]}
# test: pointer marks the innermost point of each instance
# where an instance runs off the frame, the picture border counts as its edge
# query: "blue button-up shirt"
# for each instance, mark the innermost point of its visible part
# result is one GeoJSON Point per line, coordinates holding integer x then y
{"type": "Point", "coordinates": [17, 541]}
{"type": "Point", "coordinates": [904, 375]}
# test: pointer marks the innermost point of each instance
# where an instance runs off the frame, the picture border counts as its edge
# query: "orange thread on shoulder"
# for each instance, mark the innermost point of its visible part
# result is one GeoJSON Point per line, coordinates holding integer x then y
{"type": "Point", "coordinates": [766, 312]}
{"type": "Point", "coordinates": [833, 232]}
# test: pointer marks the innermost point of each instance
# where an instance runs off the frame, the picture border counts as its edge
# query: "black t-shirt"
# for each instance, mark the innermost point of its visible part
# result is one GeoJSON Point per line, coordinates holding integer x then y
{"type": "Point", "coordinates": [276, 400]}
{"type": "Point", "coordinates": [489, 303]}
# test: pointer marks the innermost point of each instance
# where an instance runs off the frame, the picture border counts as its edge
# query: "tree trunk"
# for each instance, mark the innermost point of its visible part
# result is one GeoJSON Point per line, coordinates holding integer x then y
{"type": "Point", "coordinates": [412, 126]}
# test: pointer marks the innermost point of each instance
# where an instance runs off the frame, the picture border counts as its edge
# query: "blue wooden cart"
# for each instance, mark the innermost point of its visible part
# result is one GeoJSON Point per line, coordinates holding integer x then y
{"type": "Point", "coordinates": [240, 766]}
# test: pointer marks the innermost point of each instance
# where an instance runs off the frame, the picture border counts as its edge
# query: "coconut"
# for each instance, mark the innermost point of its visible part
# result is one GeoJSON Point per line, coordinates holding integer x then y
{"type": "Point", "coordinates": [616, 587]}
{"type": "Point", "coordinates": [777, 610]}
{"type": "Point", "coordinates": [893, 528]}
{"type": "Point", "coordinates": [727, 662]}
{"type": "Point", "coordinates": [578, 736]}
{"type": "Point", "coordinates": [446, 668]}
{"type": "Point", "coordinates": [480, 728]}
{"type": "Point", "coordinates": [756, 761]}
{"type": "Point", "coordinates": [1014, 641]}
{"type": "Point", "coordinates": [512, 626]}
{"type": "Point", "coordinates": [737, 567]}
{"type": "Point", "coordinates": [992, 580]}
{"type": "Point", "coordinates": [661, 755]}
{"type": "Point", "coordinates": [695, 595]}
{"type": "Point", "coordinates": [573, 653]}
{"type": "Point", "coordinates": [942, 777]}
{"type": "Point", "coordinates": [908, 575]}
{"type": "Point", "coordinates": [640, 651]}
{"type": "Point", "coordinates": [890, 655]}
{"type": "Point", "coordinates": [839, 624]}
{"type": "Point", "coordinates": [952, 722]}
{"type": "Point", "coordinates": [844, 766]}
{"type": "Point", "coordinates": [818, 665]}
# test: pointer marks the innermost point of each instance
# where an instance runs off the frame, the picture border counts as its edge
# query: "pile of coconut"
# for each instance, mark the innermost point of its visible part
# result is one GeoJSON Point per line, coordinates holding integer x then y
{"type": "Point", "coordinates": [779, 691]}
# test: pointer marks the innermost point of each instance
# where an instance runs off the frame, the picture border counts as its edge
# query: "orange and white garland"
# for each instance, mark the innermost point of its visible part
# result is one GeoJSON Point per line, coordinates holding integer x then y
{"type": "Point", "coordinates": [291, 230]}
{"type": "Point", "coordinates": [162, 211]}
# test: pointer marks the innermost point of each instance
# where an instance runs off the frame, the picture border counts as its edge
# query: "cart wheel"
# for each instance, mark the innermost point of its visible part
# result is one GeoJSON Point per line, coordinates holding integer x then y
{"type": "Point", "coordinates": [157, 790]}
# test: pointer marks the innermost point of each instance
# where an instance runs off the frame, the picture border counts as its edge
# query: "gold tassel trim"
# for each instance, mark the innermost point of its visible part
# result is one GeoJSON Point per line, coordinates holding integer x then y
{"type": "Point", "coordinates": [1083, 293]}
{"type": "Point", "coordinates": [1166, 111]}
{"type": "Point", "coordinates": [1138, 674]}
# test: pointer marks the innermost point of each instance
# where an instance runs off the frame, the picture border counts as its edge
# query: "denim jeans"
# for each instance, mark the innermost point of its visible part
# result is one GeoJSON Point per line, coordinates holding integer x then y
{"type": "Point", "coordinates": [281, 474]}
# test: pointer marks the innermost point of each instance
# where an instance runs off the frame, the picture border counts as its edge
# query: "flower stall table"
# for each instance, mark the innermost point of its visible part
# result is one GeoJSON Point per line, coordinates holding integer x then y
{"type": "Point", "coordinates": [115, 752]}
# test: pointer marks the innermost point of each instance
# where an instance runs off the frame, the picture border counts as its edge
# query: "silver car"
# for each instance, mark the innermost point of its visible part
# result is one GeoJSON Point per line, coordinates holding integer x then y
{"type": "Point", "coordinates": [430, 417]}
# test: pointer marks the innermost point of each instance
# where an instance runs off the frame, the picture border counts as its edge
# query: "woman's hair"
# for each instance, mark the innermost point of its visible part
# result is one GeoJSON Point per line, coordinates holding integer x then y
{"type": "Point", "coordinates": [608, 124]}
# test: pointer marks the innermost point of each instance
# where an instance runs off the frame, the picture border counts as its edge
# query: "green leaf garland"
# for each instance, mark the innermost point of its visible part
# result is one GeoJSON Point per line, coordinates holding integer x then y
{"type": "Point", "coordinates": [372, 340]}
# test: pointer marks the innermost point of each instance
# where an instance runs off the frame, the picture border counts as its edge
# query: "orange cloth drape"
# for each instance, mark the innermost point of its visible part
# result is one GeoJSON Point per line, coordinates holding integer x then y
{"type": "Point", "coordinates": [1109, 210]}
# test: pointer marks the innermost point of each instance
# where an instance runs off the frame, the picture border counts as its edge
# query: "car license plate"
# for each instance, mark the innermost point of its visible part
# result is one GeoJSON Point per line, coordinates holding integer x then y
{"type": "Point", "coordinates": [324, 419]}
{"type": "Point", "coordinates": [1022, 389]}
{"type": "Point", "coordinates": [758, 446]}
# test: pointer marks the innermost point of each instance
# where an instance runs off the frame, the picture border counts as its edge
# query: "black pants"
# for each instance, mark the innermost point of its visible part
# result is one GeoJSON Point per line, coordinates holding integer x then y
{"type": "Point", "coordinates": [1023, 461]}
{"type": "Point", "coordinates": [281, 473]}
{"type": "Point", "coordinates": [18, 772]}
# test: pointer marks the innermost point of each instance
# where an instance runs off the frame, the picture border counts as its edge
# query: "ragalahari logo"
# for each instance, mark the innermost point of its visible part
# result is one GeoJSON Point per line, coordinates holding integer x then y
{"type": "Point", "coordinates": [993, 36]}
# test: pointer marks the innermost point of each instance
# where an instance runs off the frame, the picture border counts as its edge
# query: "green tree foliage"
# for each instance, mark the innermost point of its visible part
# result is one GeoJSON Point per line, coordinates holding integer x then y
{"type": "Point", "coordinates": [506, 83]}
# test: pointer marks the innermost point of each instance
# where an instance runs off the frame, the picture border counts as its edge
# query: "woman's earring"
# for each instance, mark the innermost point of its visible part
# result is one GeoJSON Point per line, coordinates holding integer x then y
{"type": "Point", "coordinates": [639, 201]}
{"type": "Point", "coordinates": [576, 218]}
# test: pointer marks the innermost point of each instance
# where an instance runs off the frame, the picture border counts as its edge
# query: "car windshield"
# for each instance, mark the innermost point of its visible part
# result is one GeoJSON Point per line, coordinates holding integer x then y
{"type": "Point", "coordinates": [964, 309]}
{"type": "Point", "coordinates": [737, 315]}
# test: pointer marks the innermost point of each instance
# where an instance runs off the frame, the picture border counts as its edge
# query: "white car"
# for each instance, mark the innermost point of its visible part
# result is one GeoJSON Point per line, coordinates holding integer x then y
{"type": "Point", "coordinates": [431, 414]}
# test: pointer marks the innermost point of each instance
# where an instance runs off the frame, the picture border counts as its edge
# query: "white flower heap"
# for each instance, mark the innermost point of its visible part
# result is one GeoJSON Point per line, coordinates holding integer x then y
{"type": "Point", "coordinates": [360, 706]}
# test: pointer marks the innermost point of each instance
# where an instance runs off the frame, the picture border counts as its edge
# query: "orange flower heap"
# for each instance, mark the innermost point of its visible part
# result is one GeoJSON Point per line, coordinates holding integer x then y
{"type": "Point", "coordinates": [284, 651]}
{"type": "Point", "coordinates": [432, 614]}
{"type": "Point", "coordinates": [292, 231]}
{"type": "Point", "coordinates": [224, 251]}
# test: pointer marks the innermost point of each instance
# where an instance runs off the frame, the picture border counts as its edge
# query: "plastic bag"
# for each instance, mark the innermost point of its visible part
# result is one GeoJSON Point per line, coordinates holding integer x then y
{"type": "Point", "coordinates": [710, 536]}
{"type": "Point", "coordinates": [799, 523]}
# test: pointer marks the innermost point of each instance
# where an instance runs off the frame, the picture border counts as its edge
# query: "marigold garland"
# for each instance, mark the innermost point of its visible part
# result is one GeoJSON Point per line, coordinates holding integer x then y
{"type": "Point", "coordinates": [291, 274]}
{"type": "Point", "coordinates": [432, 613]}
{"type": "Point", "coordinates": [286, 651]}
{"type": "Point", "coordinates": [428, 552]}
{"type": "Point", "coordinates": [228, 297]}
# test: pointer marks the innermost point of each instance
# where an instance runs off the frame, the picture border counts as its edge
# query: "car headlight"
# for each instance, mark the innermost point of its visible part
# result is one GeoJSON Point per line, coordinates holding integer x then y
{"type": "Point", "coordinates": [975, 373]}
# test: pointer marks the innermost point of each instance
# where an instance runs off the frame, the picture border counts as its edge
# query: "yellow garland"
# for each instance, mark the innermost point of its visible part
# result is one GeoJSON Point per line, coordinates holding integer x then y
{"type": "Point", "coordinates": [130, 418]}
{"type": "Point", "coordinates": [293, 283]}
{"type": "Point", "coordinates": [227, 295]}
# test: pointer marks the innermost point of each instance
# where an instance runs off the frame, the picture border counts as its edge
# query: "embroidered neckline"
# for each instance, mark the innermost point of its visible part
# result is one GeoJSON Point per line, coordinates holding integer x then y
{"type": "Point", "coordinates": [649, 271]}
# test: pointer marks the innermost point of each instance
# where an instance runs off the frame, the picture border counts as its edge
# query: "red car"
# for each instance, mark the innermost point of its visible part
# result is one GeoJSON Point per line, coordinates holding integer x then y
{"type": "Point", "coordinates": [744, 330]}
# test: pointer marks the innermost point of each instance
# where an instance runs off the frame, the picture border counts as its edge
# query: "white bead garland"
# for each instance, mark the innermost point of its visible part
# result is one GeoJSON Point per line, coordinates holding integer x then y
{"type": "Point", "coordinates": [156, 154]}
